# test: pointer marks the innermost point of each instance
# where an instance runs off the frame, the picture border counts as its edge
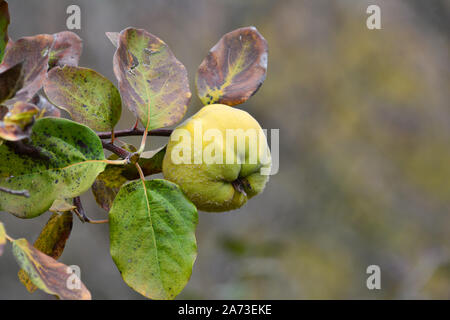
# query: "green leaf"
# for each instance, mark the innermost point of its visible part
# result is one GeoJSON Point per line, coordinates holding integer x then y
{"type": "Point", "coordinates": [2, 238]}
{"type": "Point", "coordinates": [152, 235]}
{"type": "Point", "coordinates": [66, 49]}
{"type": "Point", "coordinates": [89, 97]}
{"type": "Point", "coordinates": [234, 68]}
{"type": "Point", "coordinates": [109, 182]}
{"type": "Point", "coordinates": [51, 241]}
{"type": "Point", "coordinates": [4, 23]}
{"type": "Point", "coordinates": [151, 80]}
{"type": "Point", "coordinates": [62, 161]}
{"type": "Point", "coordinates": [34, 53]}
{"type": "Point", "coordinates": [46, 273]}
{"type": "Point", "coordinates": [11, 81]}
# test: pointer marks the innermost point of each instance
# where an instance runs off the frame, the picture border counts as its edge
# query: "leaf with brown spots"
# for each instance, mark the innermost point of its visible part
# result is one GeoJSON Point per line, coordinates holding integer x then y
{"type": "Point", "coordinates": [61, 160]}
{"type": "Point", "coordinates": [51, 241]}
{"type": "Point", "coordinates": [89, 97]}
{"type": "Point", "coordinates": [234, 68]}
{"type": "Point", "coordinates": [152, 81]}
{"type": "Point", "coordinates": [2, 238]}
{"type": "Point", "coordinates": [46, 109]}
{"type": "Point", "coordinates": [4, 23]}
{"type": "Point", "coordinates": [66, 49]}
{"type": "Point", "coordinates": [34, 53]}
{"type": "Point", "coordinates": [16, 124]}
{"type": "Point", "coordinates": [46, 273]}
{"type": "Point", "coordinates": [152, 234]}
{"type": "Point", "coordinates": [11, 81]}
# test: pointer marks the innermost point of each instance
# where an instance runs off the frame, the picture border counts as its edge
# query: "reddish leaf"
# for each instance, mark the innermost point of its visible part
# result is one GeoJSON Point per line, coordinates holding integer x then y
{"type": "Point", "coordinates": [34, 53]}
{"type": "Point", "coordinates": [46, 273]}
{"type": "Point", "coordinates": [4, 23]}
{"type": "Point", "coordinates": [66, 49]}
{"type": "Point", "coordinates": [11, 81]}
{"type": "Point", "coordinates": [234, 69]}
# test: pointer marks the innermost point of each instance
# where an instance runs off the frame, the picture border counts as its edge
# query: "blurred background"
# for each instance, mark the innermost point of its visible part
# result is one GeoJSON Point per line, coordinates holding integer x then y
{"type": "Point", "coordinates": [364, 121]}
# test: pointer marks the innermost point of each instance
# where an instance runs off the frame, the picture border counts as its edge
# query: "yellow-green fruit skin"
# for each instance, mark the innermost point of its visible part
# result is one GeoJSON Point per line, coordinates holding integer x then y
{"type": "Point", "coordinates": [210, 185]}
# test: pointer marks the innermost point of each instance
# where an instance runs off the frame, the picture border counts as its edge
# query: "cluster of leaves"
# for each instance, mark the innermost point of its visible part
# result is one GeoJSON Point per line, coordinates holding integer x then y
{"type": "Point", "coordinates": [47, 162]}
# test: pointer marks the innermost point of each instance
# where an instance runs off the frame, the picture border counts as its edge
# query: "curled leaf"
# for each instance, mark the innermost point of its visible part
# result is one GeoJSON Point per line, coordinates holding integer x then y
{"type": "Point", "coordinates": [152, 82]}
{"type": "Point", "coordinates": [15, 125]}
{"type": "Point", "coordinates": [234, 68]}
{"type": "Point", "coordinates": [152, 235]}
{"type": "Point", "coordinates": [89, 97]}
{"type": "Point", "coordinates": [48, 274]}
{"type": "Point", "coordinates": [34, 53]}
{"type": "Point", "coordinates": [66, 49]}
{"type": "Point", "coordinates": [51, 241]}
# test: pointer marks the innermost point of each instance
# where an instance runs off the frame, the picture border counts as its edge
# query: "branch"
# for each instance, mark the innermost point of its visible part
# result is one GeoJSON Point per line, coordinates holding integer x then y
{"type": "Point", "coordinates": [79, 211]}
{"type": "Point", "coordinates": [124, 154]}
{"type": "Point", "coordinates": [135, 132]}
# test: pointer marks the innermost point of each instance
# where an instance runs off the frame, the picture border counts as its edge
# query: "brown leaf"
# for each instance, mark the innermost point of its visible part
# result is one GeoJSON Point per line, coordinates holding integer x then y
{"type": "Point", "coordinates": [51, 241]}
{"type": "Point", "coordinates": [46, 273]}
{"type": "Point", "coordinates": [11, 81]}
{"type": "Point", "coordinates": [34, 53]}
{"type": "Point", "coordinates": [234, 69]}
{"type": "Point", "coordinates": [152, 82]}
{"type": "Point", "coordinates": [66, 49]}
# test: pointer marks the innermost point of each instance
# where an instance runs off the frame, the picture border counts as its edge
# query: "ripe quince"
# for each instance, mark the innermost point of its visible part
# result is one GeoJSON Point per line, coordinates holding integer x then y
{"type": "Point", "coordinates": [219, 157]}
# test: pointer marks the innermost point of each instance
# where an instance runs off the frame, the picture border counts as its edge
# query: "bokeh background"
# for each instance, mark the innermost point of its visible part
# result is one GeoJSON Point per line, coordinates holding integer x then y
{"type": "Point", "coordinates": [364, 121]}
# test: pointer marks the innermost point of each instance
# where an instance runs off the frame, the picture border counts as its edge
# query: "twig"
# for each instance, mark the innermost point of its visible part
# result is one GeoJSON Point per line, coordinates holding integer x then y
{"type": "Point", "coordinates": [135, 132]}
{"type": "Point", "coordinates": [79, 211]}
{"type": "Point", "coordinates": [124, 154]}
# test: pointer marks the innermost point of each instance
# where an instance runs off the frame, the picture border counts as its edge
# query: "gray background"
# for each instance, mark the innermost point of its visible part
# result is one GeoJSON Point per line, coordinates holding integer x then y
{"type": "Point", "coordinates": [365, 149]}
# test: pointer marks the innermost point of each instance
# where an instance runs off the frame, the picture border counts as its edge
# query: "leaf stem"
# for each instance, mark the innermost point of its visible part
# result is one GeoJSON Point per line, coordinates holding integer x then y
{"type": "Point", "coordinates": [141, 173]}
{"type": "Point", "coordinates": [145, 135]}
{"type": "Point", "coordinates": [9, 238]}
